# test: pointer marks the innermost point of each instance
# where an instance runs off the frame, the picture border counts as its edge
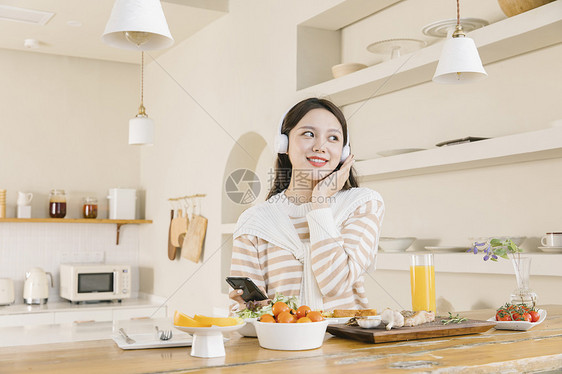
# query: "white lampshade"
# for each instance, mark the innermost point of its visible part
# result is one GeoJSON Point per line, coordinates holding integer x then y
{"type": "Point", "coordinates": [143, 20]}
{"type": "Point", "coordinates": [459, 62]}
{"type": "Point", "coordinates": [141, 131]}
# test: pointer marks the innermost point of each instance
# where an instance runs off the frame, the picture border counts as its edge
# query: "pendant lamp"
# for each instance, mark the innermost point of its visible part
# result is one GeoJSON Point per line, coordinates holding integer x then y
{"type": "Point", "coordinates": [137, 24]}
{"type": "Point", "coordinates": [141, 128]}
{"type": "Point", "coordinates": [459, 62]}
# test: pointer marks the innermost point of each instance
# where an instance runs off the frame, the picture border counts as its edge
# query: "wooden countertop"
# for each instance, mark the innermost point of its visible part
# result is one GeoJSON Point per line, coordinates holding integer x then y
{"type": "Point", "coordinates": [537, 349]}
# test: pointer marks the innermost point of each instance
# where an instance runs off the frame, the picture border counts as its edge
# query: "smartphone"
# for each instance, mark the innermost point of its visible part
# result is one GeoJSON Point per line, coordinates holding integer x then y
{"type": "Point", "coordinates": [251, 290]}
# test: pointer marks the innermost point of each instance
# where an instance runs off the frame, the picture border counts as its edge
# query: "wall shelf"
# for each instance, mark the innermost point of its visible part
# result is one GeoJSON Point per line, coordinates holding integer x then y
{"type": "Point", "coordinates": [118, 222]}
{"type": "Point", "coordinates": [529, 146]}
{"type": "Point", "coordinates": [538, 28]}
{"type": "Point", "coordinates": [544, 264]}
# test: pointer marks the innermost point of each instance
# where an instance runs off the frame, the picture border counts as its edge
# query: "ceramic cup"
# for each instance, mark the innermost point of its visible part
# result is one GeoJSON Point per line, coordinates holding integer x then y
{"type": "Point", "coordinates": [552, 239]}
{"type": "Point", "coordinates": [24, 198]}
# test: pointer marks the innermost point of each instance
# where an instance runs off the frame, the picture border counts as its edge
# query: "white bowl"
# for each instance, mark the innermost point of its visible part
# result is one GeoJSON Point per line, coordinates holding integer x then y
{"type": "Point", "coordinates": [291, 336]}
{"type": "Point", "coordinates": [248, 330]}
{"type": "Point", "coordinates": [388, 244]}
{"type": "Point", "coordinates": [369, 322]}
{"type": "Point", "coordinates": [348, 68]}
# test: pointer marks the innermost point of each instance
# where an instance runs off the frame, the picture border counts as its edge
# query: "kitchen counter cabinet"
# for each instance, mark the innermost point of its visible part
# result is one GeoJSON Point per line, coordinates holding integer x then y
{"type": "Point", "coordinates": [65, 312]}
{"type": "Point", "coordinates": [495, 351]}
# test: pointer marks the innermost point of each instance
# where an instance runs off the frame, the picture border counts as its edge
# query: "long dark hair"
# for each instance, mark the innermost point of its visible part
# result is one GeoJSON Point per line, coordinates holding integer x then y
{"type": "Point", "coordinates": [283, 166]}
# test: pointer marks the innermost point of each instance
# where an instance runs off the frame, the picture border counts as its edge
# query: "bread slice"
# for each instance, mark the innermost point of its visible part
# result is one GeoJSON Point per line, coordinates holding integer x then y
{"type": "Point", "coordinates": [339, 313]}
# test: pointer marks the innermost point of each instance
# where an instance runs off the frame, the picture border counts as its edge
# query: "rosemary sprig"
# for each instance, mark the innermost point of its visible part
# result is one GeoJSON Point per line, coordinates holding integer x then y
{"type": "Point", "coordinates": [453, 319]}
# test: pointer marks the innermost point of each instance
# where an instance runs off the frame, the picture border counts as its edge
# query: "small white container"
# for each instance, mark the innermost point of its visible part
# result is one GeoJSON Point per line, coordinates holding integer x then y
{"type": "Point", "coordinates": [24, 211]}
{"type": "Point", "coordinates": [7, 296]}
{"type": "Point", "coordinates": [122, 203]}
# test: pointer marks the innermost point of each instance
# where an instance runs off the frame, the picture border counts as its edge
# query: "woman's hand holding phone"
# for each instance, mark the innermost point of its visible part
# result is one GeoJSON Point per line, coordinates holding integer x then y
{"type": "Point", "coordinates": [245, 290]}
{"type": "Point", "coordinates": [236, 295]}
{"type": "Point", "coordinates": [331, 184]}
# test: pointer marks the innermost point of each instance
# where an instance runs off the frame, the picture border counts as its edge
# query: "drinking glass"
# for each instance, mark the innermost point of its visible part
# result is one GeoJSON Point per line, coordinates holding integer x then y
{"type": "Point", "coordinates": [422, 279]}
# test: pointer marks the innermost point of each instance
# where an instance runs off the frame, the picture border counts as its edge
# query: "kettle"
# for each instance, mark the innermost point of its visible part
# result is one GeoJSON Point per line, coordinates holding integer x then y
{"type": "Point", "coordinates": [36, 286]}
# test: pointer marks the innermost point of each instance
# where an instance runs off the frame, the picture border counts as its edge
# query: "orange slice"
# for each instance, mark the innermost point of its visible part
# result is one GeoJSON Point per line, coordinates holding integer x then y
{"type": "Point", "coordinates": [216, 321]}
{"type": "Point", "coordinates": [181, 319]}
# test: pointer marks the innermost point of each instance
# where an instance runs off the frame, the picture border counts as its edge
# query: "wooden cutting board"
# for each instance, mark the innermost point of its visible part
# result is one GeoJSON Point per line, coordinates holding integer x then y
{"type": "Point", "coordinates": [428, 330]}
{"type": "Point", "coordinates": [193, 241]}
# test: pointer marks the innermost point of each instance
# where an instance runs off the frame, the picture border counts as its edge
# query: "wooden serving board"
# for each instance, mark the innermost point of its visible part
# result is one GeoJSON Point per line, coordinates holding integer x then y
{"type": "Point", "coordinates": [427, 330]}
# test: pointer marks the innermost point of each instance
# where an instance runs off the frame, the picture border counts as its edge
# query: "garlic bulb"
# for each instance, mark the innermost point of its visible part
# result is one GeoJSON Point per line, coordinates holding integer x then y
{"type": "Point", "coordinates": [392, 318]}
{"type": "Point", "coordinates": [398, 319]}
{"type": "Point", "coordinates": [388, 318]}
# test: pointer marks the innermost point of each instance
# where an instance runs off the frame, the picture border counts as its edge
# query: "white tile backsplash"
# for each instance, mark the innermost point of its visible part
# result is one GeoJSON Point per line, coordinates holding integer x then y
{"type": "Point", "coordinates": [47, 245]}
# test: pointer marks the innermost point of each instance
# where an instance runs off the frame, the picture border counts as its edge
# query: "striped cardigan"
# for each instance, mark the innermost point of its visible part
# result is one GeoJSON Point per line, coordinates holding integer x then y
{"type": "Point", "coordinates": [341, 252]}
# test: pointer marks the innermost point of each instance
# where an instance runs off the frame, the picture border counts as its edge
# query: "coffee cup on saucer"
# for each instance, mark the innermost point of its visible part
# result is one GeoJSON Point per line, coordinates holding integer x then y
{"type": "Point", "coordinates": [552, 239]}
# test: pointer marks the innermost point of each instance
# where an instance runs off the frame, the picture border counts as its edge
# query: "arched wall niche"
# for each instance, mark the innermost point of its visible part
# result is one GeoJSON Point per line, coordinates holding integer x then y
{"type": "Point", "coordinates": [239, 192]}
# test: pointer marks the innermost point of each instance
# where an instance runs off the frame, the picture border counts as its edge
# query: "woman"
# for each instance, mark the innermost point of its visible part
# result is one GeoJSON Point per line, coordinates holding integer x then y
{"type": "Point", "coordinates": [317, 233]}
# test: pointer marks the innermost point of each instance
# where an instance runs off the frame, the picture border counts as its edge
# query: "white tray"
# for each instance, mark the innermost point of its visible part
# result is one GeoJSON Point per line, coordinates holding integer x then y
{"type": "Point", "coordinates": [518, 325]}
{"type": "Point", "coordinates": [149, 340]}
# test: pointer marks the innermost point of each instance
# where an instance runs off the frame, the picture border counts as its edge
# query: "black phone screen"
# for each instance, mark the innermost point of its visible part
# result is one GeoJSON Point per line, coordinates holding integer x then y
{"type": "Point", "coordinates": [250, 289]}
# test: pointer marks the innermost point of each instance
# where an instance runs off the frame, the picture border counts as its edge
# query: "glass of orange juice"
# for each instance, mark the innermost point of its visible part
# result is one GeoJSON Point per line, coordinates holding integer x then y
{"type": "Point", "coordinates": [422, 278]}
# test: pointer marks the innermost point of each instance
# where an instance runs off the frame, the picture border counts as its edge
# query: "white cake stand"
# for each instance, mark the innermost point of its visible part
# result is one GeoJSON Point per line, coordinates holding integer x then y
{"type": "Point", "coordinates": [208, 341]}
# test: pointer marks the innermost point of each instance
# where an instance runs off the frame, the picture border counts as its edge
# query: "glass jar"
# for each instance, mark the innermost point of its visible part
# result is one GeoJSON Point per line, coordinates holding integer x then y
{"type": "Point", "coordinates": [90, 207]}
{"type": "Point", "coordinates": [57, 204]}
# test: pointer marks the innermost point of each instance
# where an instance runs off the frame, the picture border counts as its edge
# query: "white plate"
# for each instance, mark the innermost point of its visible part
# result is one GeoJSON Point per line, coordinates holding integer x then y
{"type": "Point", "coordinates": [518, 325]}
{"type": "Point", "coordinates": [209, 330]}
{"type": "Point", "coordinates": [149, 340]}
{"type": "Point", "coordinates": [337, 321]}
{"type": "Point", "coordinates": [551, 249]}
{"type": "Point", "coordinates": [447, 249]}
{"type": "Point", "coordinates": [394, 152]}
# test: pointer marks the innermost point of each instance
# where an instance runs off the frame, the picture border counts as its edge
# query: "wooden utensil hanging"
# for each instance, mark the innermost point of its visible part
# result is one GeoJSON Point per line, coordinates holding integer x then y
{"type": "Point", "coordinates": [193, 243]}
{"type": "Point", "coordinates": [171, 248]}
{"type": "Point", "coordinates": [179, 228]}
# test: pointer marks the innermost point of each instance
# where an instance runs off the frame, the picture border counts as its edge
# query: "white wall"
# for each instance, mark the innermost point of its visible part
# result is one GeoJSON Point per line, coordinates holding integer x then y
{"type": "Point", "coordinates": [242, 70]}
{"type": "Point", "coordinates": [64, 125]}
{"type": "Point", "coordinates": [448, 209]}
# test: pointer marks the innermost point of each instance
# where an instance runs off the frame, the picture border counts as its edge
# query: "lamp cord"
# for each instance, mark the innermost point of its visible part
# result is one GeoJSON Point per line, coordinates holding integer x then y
{"type": "Point", "coordinates": [142, 78]}
{"type": "Point", "coordinates": [458, 13]}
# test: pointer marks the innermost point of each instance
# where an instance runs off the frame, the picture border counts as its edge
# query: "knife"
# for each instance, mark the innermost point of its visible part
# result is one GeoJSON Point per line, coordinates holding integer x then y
{"type": "Point", "coordinates": [127, 339]}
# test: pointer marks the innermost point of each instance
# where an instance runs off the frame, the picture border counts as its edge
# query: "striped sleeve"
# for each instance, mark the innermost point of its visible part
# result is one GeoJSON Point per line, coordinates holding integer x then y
{"type": "Point", "coordinates": [245, 260]}
{"type": "Point", "coordinates": [341, 255]}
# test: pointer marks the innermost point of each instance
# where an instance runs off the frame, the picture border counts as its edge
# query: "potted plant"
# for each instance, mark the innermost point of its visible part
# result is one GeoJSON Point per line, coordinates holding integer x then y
{"type": "Point", "coordinates": [505, 248]}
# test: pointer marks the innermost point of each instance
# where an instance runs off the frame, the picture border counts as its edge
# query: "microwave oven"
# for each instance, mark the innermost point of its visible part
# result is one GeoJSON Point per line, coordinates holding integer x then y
{"type": "Point", "coordinates": [95, 282]}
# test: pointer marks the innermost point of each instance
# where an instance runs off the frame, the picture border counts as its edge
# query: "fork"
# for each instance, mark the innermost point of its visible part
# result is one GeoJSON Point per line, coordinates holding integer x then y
{"type": "Point", "coordinates": [163, 334]}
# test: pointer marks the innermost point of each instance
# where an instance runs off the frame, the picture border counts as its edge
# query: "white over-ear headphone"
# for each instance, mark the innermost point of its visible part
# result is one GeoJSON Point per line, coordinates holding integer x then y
{"type": "Point", "coordinates": [282, 142]}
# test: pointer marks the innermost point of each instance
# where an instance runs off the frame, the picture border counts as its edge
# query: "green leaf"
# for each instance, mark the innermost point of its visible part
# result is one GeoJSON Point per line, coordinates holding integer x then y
{"type": "Point", "coordinates": [495, 242]}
